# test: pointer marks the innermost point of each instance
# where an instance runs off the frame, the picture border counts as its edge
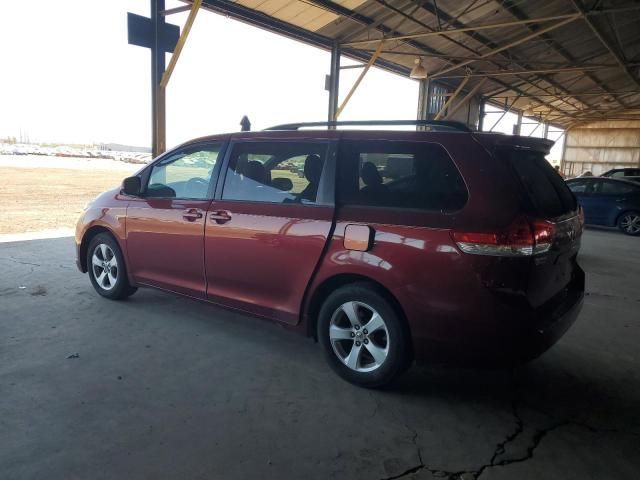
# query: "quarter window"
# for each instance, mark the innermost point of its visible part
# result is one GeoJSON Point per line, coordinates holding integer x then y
{"type": "Point", "coordinates": [184, 174]}
{"type": "Point", "coordinates": [399, 174]}
{"type": "Point", "coordinates": [275, 172]}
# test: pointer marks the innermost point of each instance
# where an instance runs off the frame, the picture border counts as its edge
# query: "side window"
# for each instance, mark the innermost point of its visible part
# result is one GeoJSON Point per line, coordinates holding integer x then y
{"type": "Point", "coordinates": [615, 188]}
{"type": "Point", "coordinates": [275, 172]}
{"type": "Point", "coordinates": [184, 174]}
{"type": "Point", "coordinates": [578, 187]}
{"type": "Point", "coordinates": [618, 174]}
{"type": "Point", "coordinates": [399, 174]}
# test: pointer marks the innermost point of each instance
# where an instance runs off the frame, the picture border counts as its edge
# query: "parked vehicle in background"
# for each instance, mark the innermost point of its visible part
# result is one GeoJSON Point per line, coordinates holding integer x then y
{"type": "Point", "coordinates": [622, 173]}
{"type": "Point", "coordinates": [609, 202]}
{"type": "Point", "coordinates": [377, 250]}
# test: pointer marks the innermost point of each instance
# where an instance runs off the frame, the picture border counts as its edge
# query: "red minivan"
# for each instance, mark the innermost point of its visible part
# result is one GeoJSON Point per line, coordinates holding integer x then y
{"type": "Point", "coordinates": [441, 244]}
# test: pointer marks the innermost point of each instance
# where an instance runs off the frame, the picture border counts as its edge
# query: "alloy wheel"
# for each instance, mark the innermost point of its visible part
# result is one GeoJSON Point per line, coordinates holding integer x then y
{"type": "Point", "coordinates": [359, 336]}
{"type": "Point", "coordinates": [630, 223]}
{"type": "Point", "coordinates": [104, 266]}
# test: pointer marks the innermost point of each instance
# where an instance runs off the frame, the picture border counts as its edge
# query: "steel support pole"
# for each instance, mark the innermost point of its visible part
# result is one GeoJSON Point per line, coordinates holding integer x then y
{"type": "Point", "coordinates": [482, 114]}
{"type": "Point", "coordinates": [334, 81]}
{"type": "Point", "coordinates": [158, 112]}
{"type": "Point", "coordinates": [518, 126]}
{"type": "Point", "coordinates": [424, 90]}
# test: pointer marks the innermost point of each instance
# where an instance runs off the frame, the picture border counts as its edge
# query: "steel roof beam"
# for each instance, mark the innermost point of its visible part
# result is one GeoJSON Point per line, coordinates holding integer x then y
{"type": "Point", "coordinates": [488, 43]}
{"type": "Point", "coordinates": [452, 21]}
{"type": "Point", "coordinates": [605, 42]}
{"type": "Point", "coordinates": [512, 8]}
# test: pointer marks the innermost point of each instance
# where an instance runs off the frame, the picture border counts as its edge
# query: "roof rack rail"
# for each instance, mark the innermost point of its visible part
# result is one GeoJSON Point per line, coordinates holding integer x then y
{"type": "Point", "coordinates": [436, 124]}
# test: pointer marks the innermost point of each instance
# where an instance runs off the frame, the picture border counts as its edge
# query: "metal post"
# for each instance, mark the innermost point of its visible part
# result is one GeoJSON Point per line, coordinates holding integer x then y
{"type": "Point", "coordinates": [158, 112]}
{"type": "Point", "coordinates": [423, 99]}
{"type": "Point", "coordinates": [334, 81]}
{"type": "Point", "coordinates": [546, 131]}
{"type": "Point", "coordinates": [518, 126]}
{"type": "Point", "coordinates": [481, 115]}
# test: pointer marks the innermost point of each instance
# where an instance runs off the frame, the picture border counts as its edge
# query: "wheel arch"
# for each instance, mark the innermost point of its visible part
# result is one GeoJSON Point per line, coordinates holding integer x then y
{"type": "Point", "coordinates": [329, 285]}
{"type": "Point", "coordinates": [86, 239]}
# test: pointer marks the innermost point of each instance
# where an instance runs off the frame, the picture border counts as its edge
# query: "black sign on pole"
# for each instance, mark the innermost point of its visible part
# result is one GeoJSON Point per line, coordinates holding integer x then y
{"type": "Point", "coordinates": [160, 37]}
{"type": "Point", "coordinates": [140, 30]}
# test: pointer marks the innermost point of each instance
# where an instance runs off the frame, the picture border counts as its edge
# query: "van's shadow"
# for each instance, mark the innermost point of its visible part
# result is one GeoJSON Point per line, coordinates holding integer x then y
{"type": "Point", "coordinates": [565, 384]}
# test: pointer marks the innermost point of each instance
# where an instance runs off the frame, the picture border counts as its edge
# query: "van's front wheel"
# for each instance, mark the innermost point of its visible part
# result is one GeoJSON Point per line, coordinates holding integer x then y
{"type": "Point", "coordinates": [364, 339]}
{"type": "Point", "coordinates": [107, 270]}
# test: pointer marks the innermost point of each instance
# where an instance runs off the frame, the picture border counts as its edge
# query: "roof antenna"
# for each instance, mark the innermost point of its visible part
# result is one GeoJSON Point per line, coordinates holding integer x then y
{"type": "Point", "coordinates": [245, 124]}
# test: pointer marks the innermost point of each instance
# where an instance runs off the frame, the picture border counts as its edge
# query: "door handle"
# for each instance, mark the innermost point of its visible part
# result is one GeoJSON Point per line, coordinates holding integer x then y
{"type": "Point", "coordinates": [220, 216]}
{"type": "Point", "coordinates": [192, 214]}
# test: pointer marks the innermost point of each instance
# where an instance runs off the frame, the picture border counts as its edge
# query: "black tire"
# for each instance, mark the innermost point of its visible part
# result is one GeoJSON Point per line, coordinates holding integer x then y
{"type": "Point", "coordinates": [627, 225]}
{"type": "Point", "coordinates": [118, 290]}
{"type": "Point", "coordinates": [394, 337]}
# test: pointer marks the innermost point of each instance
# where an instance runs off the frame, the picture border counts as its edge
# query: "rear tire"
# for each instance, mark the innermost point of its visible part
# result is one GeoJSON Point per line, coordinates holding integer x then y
{"type": "Point", "coordinates": [365, 340]}
{"type": "Point", "coordinates": [106, 267]}
{"type": "Point", "coordinates": [629, 223]}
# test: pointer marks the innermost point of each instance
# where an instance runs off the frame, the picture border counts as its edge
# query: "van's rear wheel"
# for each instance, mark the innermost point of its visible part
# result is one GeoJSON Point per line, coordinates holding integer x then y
{"type": "Point", "coordinates": [364, 339]}
{"type": "Point", "coordinates": [629, 223]}
{"type": "Point", "coordinates": [107, 270]}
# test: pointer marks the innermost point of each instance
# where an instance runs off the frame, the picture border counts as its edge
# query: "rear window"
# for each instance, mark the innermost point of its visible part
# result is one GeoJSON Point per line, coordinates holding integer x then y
{"type": "Point", "coordinates": [399, 175]}
{"type": "Point", "coordinates": [547, 194]}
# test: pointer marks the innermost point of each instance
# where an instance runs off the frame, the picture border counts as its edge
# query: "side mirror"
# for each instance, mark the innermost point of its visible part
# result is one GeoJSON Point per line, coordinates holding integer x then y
{"type": "Point", "coordinates": [131, 186]}
{"type": "Point", "coordinates": [284, 184]}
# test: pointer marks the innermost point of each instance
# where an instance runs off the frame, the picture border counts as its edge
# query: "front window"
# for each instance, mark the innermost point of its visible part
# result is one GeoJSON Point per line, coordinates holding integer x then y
{"type": "Point", "coordinates": [184, 174]}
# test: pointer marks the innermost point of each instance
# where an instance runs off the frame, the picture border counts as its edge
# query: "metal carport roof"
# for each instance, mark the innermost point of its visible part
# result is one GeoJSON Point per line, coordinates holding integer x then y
{"type": "Point", "coordinates": [563, 61]}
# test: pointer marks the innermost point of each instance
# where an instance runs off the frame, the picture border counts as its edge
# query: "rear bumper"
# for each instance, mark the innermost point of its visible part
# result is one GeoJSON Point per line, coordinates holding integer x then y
{"type": "Point", "coordinates": [510, 334]}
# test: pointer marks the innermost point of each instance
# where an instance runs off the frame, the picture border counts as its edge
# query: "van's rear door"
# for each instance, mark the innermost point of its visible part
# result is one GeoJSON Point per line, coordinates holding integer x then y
{"type": "Point", "coordinates": [545, 196]}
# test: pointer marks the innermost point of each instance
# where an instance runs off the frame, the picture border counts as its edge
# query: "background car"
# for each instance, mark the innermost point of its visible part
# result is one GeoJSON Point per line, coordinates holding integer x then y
{"type": "Point", "coordinates": [622, 173]}
{"type": "Point", "coordinates": [609, 202]}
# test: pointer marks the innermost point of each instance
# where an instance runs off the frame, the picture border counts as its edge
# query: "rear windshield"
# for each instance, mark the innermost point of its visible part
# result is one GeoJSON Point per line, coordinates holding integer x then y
{"type": "Point", "coordinates": [547, 194]}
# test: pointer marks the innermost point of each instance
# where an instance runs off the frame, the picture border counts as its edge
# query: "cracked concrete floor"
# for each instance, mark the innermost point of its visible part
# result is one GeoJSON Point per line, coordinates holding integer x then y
{"type": "Point", "coordinates": [166, 388]}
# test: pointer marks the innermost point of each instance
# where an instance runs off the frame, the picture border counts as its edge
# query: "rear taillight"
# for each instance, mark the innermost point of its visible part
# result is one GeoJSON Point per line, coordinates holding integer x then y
{"type": "Point", "coordinates": [524, 237]}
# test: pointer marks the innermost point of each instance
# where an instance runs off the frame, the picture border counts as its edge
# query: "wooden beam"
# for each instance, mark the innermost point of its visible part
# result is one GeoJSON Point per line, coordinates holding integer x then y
{"type": "Point", "coordinates": [371, 61]}
{"type": "Point", "coordinates": [451, 99]}
{"type": "Point", "coordinates": [181, 41]}
{"type": "Point", "coordinates": [500, 73]}
{"type": "Point", "coordinates": [515, 43]}
{"type": "Point", "coordinates": [466, 97]}
{"type": "Point", "coordinates": [476, 28]}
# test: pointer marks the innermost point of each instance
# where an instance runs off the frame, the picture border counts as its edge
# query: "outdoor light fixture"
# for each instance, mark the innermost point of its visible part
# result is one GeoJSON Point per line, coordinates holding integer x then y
{"type": "Point", "coordinates": [418, 71]}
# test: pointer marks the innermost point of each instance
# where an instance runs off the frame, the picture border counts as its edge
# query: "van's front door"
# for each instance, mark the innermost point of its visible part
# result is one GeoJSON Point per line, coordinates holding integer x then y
{"type": "Point", "coordinates": [267, 228]}
{"type": "Point", "coordinates": [165, 226]}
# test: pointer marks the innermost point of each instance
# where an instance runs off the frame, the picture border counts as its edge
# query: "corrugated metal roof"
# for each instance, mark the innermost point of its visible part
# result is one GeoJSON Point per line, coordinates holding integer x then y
{"type": "Point", "coordinates": [585, 67]}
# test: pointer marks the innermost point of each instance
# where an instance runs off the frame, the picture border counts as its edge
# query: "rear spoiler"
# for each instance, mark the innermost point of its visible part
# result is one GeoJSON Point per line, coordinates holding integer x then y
{"type": "Point", "coordinates": [491, 141]}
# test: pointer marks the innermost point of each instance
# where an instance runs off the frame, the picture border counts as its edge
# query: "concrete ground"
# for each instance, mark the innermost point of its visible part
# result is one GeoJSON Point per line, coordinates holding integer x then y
{"type": "Point", "coordinates": [161, 387]}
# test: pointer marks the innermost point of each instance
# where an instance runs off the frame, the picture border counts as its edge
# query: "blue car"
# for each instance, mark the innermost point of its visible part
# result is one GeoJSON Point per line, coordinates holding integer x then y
{"type": "Point", "coordinates": [609, 202]}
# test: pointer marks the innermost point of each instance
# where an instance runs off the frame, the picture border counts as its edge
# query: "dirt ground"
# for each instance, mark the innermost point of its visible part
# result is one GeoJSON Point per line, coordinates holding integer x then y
{"type": "Point", "coordinates": [34, 199]}
{"type": "Point", "coordinates": [48, 193]}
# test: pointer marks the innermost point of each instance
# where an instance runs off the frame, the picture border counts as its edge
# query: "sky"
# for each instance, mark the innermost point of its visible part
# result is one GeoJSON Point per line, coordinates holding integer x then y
{"type": "Point", "coordinates": [67, 74]}
{"type": "Point", "coordinates": [71, 77]}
